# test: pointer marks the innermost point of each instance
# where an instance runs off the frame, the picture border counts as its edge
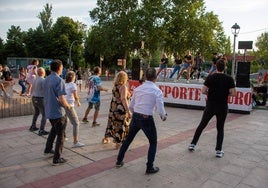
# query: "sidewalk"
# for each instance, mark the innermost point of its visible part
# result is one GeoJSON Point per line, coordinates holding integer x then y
{"type": "Point", "coordinates": [244, 164]}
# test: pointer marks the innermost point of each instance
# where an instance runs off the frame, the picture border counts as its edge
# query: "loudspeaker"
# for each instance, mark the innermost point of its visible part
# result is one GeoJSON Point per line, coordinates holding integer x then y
{"type": "Point", "coordinates": [242, 74]}
{"type": "Point", "coordinates": [136, 66]}
{"type": "Point", "coordinates": [243, 67]}
{"type": "Point", "coordinates": [242, 80]}
{"type": "Point", "coordinates": [245, 44]}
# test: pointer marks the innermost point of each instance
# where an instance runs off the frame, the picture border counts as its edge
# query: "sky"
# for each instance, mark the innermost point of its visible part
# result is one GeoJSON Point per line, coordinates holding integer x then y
{"type": "Point", "coordinates": [250, 15]}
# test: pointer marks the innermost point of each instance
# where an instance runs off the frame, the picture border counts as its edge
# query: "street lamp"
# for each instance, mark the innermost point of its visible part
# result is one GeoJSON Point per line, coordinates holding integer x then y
{"type": "Point", "coordinates": [70, 53]}
{"type": "Point", "coordinates": [235, 30]}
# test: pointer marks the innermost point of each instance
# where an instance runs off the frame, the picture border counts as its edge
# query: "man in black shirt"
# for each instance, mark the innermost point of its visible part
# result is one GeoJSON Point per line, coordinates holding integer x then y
{"type": "Point", "coordinates": [217, 87]}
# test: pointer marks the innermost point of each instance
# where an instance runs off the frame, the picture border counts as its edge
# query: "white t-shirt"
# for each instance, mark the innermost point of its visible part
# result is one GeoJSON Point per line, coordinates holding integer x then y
{"type": "Point", "coordinates": [70, 88]}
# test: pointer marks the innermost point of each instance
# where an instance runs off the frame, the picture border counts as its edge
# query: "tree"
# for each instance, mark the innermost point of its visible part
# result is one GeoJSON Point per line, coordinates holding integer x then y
{"type": "Point", "coordinates": [262, 53]}
{"type": "Point", "coordinates": [169, 25]}
{"type": "Point", "coordinates": [46, 18]}
{"type": "Point", "coordinates": [38, 43]}
{"type": "Point", "coordinates": [63, 33]}
{"type": "Point", "coordinates": [115, 27]}
{"type": "Point", "coordinates": [2, 49]}
{"type": "Point", "coordinates": [15, 46]}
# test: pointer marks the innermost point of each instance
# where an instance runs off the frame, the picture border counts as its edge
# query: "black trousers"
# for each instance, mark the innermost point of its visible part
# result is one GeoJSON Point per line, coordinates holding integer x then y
{"type": "Point", "coordinates": [58, 129]}
{"type": "Point", "coordinates": [220, 111]}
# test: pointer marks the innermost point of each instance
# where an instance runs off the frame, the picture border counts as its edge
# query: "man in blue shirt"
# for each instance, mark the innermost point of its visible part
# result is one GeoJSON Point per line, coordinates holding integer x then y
{"type": "Point", "coordinates": [55, 105]}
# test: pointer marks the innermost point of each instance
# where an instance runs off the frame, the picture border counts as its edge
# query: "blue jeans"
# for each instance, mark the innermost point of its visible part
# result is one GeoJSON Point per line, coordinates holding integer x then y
{"type": "Point", "coordinates": [22, 83]}
{"type": "Point", "coordinates": [58, 129]}
{"type": "Point", "coordinates": [147, 125]}
{"type": "Point", "coordinates": [176, 68]}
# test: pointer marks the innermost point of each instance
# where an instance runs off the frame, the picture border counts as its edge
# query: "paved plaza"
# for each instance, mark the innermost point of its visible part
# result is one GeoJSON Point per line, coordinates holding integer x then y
{"type": "Point", "coordinates": [244, 165]}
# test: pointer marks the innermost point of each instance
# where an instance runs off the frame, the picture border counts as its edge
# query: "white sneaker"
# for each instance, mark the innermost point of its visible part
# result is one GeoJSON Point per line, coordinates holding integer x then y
{"type": "Point", "coordinates": [219, 154]}
{"type": "Point", "coordinates": [191, 147]}
{"type": "Point", "coordinates": [78, 145]}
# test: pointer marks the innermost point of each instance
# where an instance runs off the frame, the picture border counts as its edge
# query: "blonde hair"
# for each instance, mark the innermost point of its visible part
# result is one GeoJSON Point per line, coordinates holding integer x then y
{"type": "Point", "coordinates": [121, 78]}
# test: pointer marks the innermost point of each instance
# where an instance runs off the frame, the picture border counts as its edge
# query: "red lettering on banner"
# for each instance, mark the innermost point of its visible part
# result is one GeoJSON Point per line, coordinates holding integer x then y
{"type": "Point", "coordinates": [183, 92]}
{"type": "Point", "coordinates": [167, 90]}
{"type": "Point", "coordinates": [175, 92]}
{"type": "Point", "coordinates": [248, 98]}
{"type": "Point", "coordinates": [240, 98]}
{"type": "Point", "coordinates": [161, 87]}
{"type": "Point", "coordinates": [197, 94]}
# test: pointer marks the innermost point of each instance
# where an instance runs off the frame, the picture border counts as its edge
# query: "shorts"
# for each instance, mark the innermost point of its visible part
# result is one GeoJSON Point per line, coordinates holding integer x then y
{"type": "Point", "coordinates": [79, 81]}
{"type": "Point", "coordinates": [96, 106]}
{"type": "Point", "coordinates": [163, 66]}
{"type": "Point", "coordinates": [186, 65]}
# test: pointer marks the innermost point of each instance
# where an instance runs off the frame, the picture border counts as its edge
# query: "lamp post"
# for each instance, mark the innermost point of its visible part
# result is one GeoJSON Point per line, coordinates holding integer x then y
{"type": "Point", "coordinates": [235, 30]}
{"type": "Point", "coordinates": [70, 53]}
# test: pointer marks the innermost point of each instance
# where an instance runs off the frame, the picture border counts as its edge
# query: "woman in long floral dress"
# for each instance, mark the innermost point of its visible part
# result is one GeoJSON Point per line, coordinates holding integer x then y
{"type": "Point", "coordinates": [119, 114]}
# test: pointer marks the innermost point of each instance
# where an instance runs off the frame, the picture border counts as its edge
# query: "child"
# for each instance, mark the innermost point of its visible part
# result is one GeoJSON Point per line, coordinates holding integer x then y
{"type": "Point", "coordinates": [32, 72]}
{"type": "Point", "coordinates": [71, 97]}
{"type": "Point", "coordinates": [22, 81]}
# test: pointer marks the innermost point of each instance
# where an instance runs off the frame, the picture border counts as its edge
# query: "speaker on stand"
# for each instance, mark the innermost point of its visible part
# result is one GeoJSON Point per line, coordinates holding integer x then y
{"type": "Point", "coordinates": [242, 74]}
{"type": "Point", "coordinates": [136, 67]}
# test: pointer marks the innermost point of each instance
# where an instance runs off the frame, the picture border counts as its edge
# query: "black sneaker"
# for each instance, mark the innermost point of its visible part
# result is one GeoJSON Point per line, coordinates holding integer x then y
{"type": "Point", "coordinates": [59, 161]}
{"type": "Point", "coordinates": [94, 124]}
{"type": "Point", "coordinates": [51, 153]}
{"type": "Point", "coordinates": [33, 129]}
{"type": "Point", "coordinates": [85, 120]}
{"type": "Point", "coordinates": [43, 132]}
{"type": "Point", "coordinates": [119, 164]}
{"type": "Point", "coordinates": [152, 170]}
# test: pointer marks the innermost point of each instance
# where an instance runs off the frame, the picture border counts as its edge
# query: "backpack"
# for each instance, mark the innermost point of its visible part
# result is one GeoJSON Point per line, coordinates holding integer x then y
{"type": "Point", "coordinates": [91, 88]}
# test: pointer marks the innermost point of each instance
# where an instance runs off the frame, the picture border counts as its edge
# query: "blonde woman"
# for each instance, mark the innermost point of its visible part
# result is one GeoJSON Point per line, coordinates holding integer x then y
{"type": "Point", "coordinates": [119, 114]}
{"type": "Point", "coordinates": [71, 97]}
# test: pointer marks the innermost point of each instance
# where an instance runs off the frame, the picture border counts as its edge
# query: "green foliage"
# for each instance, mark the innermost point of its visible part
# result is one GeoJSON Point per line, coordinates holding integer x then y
{"type": "Point", "coordinates": [169, 25]}
{"type": "Point", "coordinates": [262, 53]}
{"type": "Point", "coordinates": [46, 18]}
{"type": "Point", "coordinates": [14, 46]}
{"type": "Point", "coordinates": [120, 27]}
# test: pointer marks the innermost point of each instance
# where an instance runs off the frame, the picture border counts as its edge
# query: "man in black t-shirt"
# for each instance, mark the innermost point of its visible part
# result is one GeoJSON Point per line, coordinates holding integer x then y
{"type": "Point", "coordinates": [217, 87]}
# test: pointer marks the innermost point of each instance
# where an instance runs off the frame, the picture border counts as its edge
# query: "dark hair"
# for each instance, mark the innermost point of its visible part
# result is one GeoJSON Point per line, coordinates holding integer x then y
{"type": "Point", "coordinates": [150, 74]}
{"type": "Point", "coordinates": [220, 65]}
{"type": "Point", "coordinates": [69, 76]}
{"type": "Point", "coordinates": [55, 65]}
{"type": "Point", "coordinates": [34, 61]}
{"type": "Point", "coordinates": [96, 70]}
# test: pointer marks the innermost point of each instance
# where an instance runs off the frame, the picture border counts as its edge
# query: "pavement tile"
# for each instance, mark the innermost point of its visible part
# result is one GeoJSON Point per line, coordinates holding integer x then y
{"type": "Point", "coordinates": [244, 164]}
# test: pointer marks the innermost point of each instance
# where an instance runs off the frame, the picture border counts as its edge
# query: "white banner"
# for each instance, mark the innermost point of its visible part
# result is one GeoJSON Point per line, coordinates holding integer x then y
{"type": "Point", "coordinates": [190, 94]}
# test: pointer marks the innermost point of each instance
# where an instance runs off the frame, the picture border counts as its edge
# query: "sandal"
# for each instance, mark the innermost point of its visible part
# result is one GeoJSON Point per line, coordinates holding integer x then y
{"type": "Point", "coordinates": [105, 140]}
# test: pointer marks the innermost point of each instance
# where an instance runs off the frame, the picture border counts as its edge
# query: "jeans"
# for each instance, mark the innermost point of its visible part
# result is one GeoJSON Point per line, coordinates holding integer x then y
{"type": "Point", "coordinates": [58, 129]}
{"type": "Point", "coordinates": [72, 116]}
{"type": "Point", "coordinates": [38, 104]}
{"type": "Point", "coordinates": [147, 125]}
{"type": "Point", "coordinates": [176, 68]}
{"type": "Point", "coordinates": [22, 83]}
{"type": "Point", "coordinates": [220, 110]}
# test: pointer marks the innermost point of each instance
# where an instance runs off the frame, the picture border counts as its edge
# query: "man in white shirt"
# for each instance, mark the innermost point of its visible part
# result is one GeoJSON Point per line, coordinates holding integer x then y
{"type": "Point", "coordinates": [145, 99]}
